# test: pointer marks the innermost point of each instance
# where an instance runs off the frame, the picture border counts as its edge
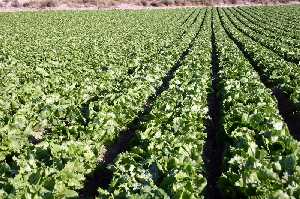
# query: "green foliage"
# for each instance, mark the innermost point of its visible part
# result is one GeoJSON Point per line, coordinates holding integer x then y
{"type": "Point", "coordinates": [262, 158]}
{"type": "Point", "coordinates": [169, 163]}
{"type": "Point", "coordinates": [72, 81]}
{"type": "Point", "coordinates": [51, 66]}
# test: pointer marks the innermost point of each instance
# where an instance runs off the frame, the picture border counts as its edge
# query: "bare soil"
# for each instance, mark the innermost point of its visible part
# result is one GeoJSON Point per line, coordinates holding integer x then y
{"type": "Point", "coordinates": [64, 7]}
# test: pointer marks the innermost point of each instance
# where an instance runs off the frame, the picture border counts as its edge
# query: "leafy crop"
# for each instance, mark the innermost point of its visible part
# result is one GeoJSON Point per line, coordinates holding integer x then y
{"type": "Point", "coordinates": [260, 146]}
{"type": "Point", "coordinates": [73, 83]}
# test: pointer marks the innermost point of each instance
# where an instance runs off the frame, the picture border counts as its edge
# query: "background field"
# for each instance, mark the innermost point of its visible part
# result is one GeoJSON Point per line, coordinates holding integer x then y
{"type": "Point", "coordinates": [126, 4]}
{"type": "Point", "coordinates": [162, 103]}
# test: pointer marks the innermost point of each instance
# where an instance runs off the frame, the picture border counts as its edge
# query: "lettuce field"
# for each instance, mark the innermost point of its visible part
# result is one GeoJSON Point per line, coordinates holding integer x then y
{"type": "Point", "coordinates": [178, 103]}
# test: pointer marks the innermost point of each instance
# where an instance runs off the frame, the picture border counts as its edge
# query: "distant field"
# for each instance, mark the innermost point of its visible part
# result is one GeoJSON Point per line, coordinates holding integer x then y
{"type": "Point", "coordinates": [15, 5]}
{"type": "Point", "coordinates": [179, 103]}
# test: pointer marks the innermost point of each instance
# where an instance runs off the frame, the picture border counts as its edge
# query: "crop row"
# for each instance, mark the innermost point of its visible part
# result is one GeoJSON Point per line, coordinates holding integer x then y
{"type": "Point", "coordinates": [260, 152]}
{"type": "Point", "coordinates": [288, 53]}
{"type": "Point", "coordinates": [260, 158]}
{"type": "Point", "coordinates": [155, 104]}
{"type": "Point", "coordinates": [285, 28]}
{"type": "Point", "coordinates": [44, 134]}
{"type": "Point", "coordinates": [280, 73]}
{"type": "Point", "coordinates": [267, 30]}
{"type": "Point", "coordinates": [288, 14]}
{"type": "Point", "coordinates": [168, 161]}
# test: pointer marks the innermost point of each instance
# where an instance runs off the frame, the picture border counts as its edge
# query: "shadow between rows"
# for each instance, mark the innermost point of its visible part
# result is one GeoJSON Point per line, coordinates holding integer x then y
{"type": "Point", "coordinates": [188, 17]}
{"type": "Point", "coordinates": [102, 176]}
{"type": "Point", "coordinates": [214, 148]}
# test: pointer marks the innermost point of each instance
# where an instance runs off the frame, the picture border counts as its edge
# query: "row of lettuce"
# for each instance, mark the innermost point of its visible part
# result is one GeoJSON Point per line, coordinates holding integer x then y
{"type": "Point", "coordinates": [169, 162]}
{"type": "Point", "coordinates": [69, 86]}
{"type": "Point", "coordinates": [282, 73]}
{"type": "Point", "coordinates": [287, 15]}
{"type": "Point", "coordinates": [288, 26]}
{"type": "Point", "coordinates": [261, 158]}
{"type": "Point", "coordinates": [283, 35]}
{"type": "Point", "coordinates": [288, 49]}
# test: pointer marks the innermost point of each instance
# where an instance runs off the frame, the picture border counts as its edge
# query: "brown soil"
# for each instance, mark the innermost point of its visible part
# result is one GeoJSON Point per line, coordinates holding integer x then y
{"type": "Point", "coordinates": [64, 7]}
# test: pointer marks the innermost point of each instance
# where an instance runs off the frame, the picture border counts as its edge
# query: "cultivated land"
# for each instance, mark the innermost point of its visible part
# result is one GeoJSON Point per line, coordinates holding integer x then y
{"type": "Point", "coordinates": [37, 5]}
{"type": "Point", "coordinates": [181, 103]}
